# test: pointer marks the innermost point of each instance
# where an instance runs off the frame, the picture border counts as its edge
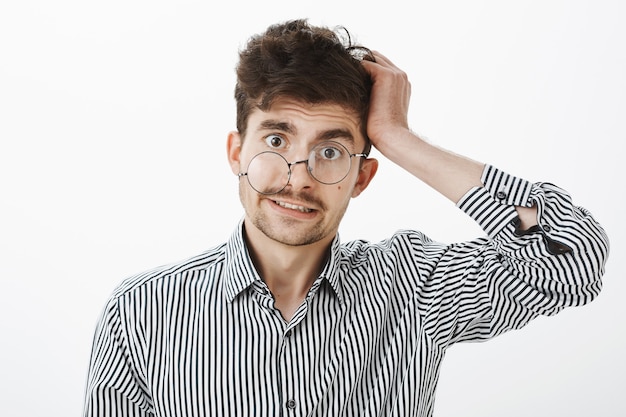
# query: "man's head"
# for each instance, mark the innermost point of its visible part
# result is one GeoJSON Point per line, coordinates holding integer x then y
{"type": "Point", "coordinates": [311, 64]}
{"type": "Point", "coordinates": [300, 89]}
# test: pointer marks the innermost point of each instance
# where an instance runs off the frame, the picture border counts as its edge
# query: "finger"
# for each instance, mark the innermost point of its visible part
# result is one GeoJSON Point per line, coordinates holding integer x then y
{"type": "Point", "coordinates": [372, 68]}
{"type": "Point", "coordinates": [378, 68]}
{"type": "Point", "coordinates": [383, 60]}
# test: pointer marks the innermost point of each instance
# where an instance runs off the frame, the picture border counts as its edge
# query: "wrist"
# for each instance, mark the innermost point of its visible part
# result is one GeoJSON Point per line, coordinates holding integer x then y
{"type": "Point", "coordinates": [395, 142]}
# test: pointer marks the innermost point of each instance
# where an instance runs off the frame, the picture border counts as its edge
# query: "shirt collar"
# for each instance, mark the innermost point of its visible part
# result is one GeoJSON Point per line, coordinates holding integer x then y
{"type": "Point", "coordinates": [331, 270]}
{"type": "Point", "coordinates": [240, 272]}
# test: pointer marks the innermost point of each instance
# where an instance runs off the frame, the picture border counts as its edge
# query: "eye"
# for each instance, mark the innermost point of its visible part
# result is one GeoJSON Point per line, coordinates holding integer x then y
{"type": "Point", "coordinates": [275, 141]}
{"type": "Point", "coordinates": [329, 153]}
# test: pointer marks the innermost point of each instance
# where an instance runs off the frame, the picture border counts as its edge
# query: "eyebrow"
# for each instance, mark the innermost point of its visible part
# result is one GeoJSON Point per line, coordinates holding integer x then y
{"type": "Point", "coordinates": [272, 124]}
{"type": "Point", "coordinates": [337, 134]}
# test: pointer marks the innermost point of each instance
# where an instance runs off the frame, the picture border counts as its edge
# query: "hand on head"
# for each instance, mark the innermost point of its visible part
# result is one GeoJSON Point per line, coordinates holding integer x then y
{"type": "Point", "coordinates": [389, 102]}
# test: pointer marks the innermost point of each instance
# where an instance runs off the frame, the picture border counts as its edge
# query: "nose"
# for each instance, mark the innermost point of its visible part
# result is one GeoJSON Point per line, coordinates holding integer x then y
{"type": "Point", "coordinates": [300, 177]}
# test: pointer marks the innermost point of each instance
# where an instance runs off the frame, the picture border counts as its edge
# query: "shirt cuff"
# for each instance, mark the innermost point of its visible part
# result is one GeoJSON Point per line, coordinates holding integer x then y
{"type": "Point", "coordinates": [493, 205]}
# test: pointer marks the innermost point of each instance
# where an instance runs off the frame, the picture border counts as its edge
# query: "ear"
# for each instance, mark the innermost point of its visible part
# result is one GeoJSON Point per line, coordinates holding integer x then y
{"type": "Point", "coordinates": [367, 171]}
{"type": "Point", "coordinates": [233, 149]}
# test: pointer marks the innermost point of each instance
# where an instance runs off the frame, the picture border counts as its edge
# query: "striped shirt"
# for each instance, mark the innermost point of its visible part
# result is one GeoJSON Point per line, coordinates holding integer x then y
{"type": "Point", "coordinates": [203, 338]}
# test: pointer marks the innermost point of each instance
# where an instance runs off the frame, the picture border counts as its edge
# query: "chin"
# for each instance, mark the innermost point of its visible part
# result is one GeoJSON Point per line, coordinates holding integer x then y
{"type": "Point", "coordinates": [290, 233]}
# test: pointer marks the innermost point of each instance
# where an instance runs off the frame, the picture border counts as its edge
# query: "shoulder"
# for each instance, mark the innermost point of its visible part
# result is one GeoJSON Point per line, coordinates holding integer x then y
{"type": "Point", "coordinates": [402, 243]}
{"type": "Point", "coordinates": [409, 249]}
{"type": "Point", "coordinates": [189, 266]}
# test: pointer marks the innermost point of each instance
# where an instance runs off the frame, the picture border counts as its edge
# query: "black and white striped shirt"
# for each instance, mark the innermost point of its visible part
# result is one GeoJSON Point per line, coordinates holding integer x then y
{"type": "Point", "coordinates": [202, 337]}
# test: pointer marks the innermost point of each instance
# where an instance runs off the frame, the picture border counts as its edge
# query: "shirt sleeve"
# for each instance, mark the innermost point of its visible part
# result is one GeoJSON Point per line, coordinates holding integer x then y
{"type": "Point", "coordinates": [516, 274]}
{"type": "Point", "coordinates": [113, 386]}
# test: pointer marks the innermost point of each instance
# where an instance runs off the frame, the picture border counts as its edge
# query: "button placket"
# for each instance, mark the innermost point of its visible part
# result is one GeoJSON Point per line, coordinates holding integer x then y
{"type": "Point", "coordinates": [288, 369]}
{"type": "Point", "coordinates": [288, 363]}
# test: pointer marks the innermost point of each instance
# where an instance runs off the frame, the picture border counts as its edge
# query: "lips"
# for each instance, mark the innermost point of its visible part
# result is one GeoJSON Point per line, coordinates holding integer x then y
{"type": "Point", "coordinates": [286, 205]}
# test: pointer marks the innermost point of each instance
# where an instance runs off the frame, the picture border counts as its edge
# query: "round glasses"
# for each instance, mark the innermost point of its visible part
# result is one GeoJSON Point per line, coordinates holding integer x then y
{"type": "Point", "coordinates": [328, 163]}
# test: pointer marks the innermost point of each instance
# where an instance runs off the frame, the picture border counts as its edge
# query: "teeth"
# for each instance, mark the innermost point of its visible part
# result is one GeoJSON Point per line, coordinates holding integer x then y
{"type": "Point", "coordinates": [293, 207]}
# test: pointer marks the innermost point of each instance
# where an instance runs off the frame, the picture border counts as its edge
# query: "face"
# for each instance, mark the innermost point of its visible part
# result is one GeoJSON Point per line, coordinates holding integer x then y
{"type": "Point", "coordinates": [305, 211]}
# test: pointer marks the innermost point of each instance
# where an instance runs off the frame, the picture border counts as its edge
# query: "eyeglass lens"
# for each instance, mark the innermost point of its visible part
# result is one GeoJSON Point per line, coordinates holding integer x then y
{"type": "Point", "coordinates": [268, 173]}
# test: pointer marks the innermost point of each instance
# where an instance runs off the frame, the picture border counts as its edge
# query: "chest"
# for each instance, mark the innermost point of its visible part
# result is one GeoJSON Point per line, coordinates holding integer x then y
{"type": "Point", "coordinates": [241, 358]}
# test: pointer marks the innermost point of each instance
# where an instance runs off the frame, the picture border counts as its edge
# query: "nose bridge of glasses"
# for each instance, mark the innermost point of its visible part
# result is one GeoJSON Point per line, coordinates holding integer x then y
{"type": "Point", "coordinates": [302, 161]}
{"type": "Point", "coordinates": [299, 178]}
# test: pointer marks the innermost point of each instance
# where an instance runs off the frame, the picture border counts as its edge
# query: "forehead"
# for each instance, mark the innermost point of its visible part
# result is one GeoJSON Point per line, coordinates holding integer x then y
{"type": "Point", "coordinates": [305, 120]}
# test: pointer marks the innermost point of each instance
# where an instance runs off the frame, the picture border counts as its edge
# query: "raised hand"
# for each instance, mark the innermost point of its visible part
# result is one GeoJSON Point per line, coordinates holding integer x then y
{"type": "Point", "coordinates": [389, 103]}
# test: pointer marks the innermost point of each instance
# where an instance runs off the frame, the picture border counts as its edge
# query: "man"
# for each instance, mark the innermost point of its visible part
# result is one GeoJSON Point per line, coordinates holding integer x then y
{"type": "Point", "coordinates": [283, 319]}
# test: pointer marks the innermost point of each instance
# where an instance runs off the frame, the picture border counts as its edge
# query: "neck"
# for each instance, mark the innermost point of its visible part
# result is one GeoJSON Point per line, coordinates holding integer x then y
{"type": "Point", "coordinates": [288, 271]}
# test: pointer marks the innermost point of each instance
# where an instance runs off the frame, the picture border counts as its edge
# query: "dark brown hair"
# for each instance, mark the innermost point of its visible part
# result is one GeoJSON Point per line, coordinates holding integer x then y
{"type": "Point", "coordinates": [309, 63]}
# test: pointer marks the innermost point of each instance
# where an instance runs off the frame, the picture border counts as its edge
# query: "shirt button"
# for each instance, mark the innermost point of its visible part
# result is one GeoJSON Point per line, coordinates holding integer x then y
{"type": "Point", "coordinates": [501, 195]}
{"type": "Point", "coordinates": [288, 333]}
{"type": "Point", "coordinates": [291, 404]}
{"type": "Point", "coordinates": [546, 228]}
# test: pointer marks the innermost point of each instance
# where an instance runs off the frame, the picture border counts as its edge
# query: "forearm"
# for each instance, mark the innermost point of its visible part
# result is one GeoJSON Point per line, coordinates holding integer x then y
{"type": "Point", "coordinates": [450, 174]}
